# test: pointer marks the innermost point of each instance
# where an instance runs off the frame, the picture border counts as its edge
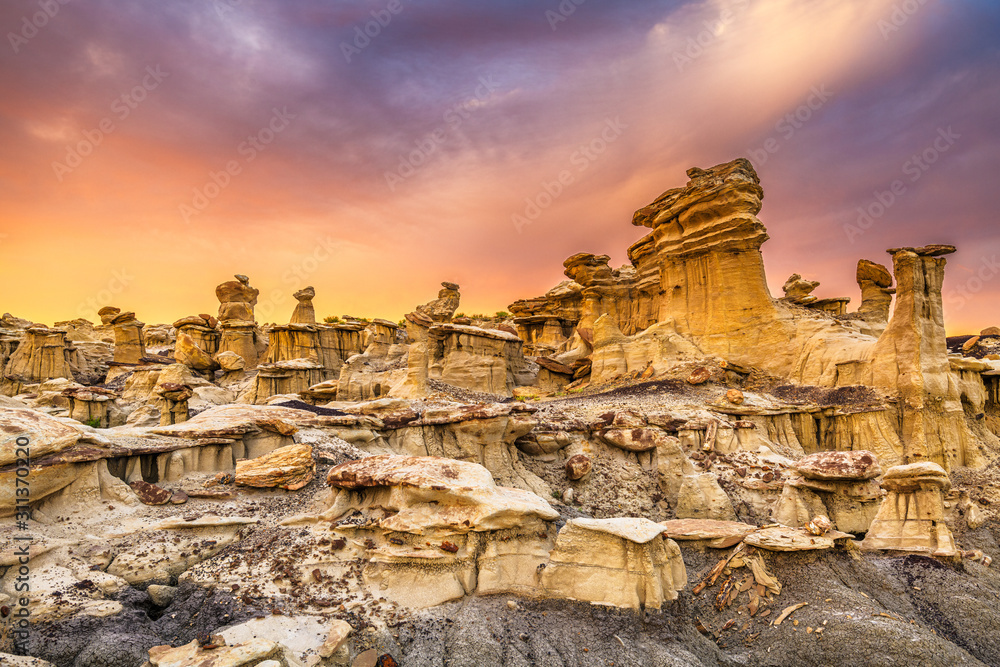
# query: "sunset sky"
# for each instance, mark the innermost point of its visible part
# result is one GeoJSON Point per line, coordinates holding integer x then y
{"type": "Point", "coordinates": [151, 150]}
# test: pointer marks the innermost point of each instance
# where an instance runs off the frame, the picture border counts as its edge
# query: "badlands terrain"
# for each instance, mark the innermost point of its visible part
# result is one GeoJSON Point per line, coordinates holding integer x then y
{"type": "Point", "coordinates": [657, 464]}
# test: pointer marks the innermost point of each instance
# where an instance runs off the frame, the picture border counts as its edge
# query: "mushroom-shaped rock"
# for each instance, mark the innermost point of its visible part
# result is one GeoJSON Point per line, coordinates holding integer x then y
{"type": "Point", "coordinates": [304, 312]}
{"type": "Point", "coordinates": [236, 300]}
{"type": "Point", "coordinates": [624, 562]}
{"type": "Point", "coordinates": [290, 467]}
{"type": "Point", "coordinates": [911, 517]}
{"type": "Point", "coordinates": [851, 465]}
{"type": "Point", "coordinates": [797, 290]}
{"type": "Point", "coordinates": [428, 493]}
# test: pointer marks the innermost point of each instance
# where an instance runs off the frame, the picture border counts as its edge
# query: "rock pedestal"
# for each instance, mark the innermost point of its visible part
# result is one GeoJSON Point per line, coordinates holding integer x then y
{"type": "Point", "coordinates": [911, 517]}
{"type": "Point", "coordinates": [129, 348]}
{"type": "Point", "coordinates": [236, 319]}
{"type": "Point", "coordinates": [42, 355]}
{"type": "Point", "coordinates": [90, 405]}
{"type": "Point", "coordinates": [304, 312]}
{"type": "Point", "coordinates": [838, 485]}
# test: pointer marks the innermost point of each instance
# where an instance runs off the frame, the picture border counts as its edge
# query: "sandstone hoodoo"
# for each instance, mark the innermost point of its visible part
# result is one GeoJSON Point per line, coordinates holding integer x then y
{"type": "Point", "coordinates": [659, 463]}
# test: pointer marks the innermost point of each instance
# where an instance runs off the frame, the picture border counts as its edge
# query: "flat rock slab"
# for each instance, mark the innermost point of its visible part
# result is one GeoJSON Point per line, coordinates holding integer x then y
{"type": "Point", "coordinates": [250, 653]}
{"type": "Point", "coordinates": [782, 538]}
{"type": "Point", "coordinates": [720, 534]}
{"type": "Point", "coordinates": [854, 465]}
{"type": "Point", "coordinates": [633, 529]}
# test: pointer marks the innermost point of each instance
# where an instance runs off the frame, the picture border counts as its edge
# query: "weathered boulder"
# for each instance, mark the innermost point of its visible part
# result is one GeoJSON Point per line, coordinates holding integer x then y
{"type": "Point", "coordinates": [187, 352]}
{"type": "Point", "coordinates": [35, 431]}
{"type": "Point", "coordinates": [150, 494]}
{"type": "Point", "coordinates": [290, 467]}
{"type": "Point", "coordinates": [578, 466]}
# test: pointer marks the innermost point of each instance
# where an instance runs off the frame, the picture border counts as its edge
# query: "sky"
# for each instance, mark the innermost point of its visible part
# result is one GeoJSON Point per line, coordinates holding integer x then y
{"type": "Point", "coordinates": [372, 149]}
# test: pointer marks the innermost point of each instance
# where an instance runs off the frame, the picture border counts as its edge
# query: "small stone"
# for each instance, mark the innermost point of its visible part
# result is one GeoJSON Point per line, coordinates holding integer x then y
{"type": "Point", "coordinates": [819, 525]}
{"type": "Point", "coordinates": [970, 344]}
{"type": "Point", "coordinates": [567, 496]}
{"type": "Point", "coordinates": [366, 659]}
{"type": "Point", "coordinates": [178, 497]}
{"type": "Point", "coordinates": [512, 604]}
{"type": "Point", "coordinates": [735, 396]}
{"type": "Point", "coordinates": [161, 596]}
{"type": "Point", "coordinates": [990, 331]}
{"type": "Point", "coordinates": [700, 375]}
{"type": "Point", "coordinates": [339, 631]}
{"type": "Point", "coordinates": [150, 494]}
{"type": "Point", "coordinates": [578, 466]}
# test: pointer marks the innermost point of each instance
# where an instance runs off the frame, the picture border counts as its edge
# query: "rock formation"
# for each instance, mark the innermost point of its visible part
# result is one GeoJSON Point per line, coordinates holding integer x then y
{"type": "Point", "coordinates": [442, 308]}
{"type": "Point", "coordinates": [304, 312]}
{"type": "Point", "coordinates": [624, 562]}
{"type": "Point", "coordinates": [837, 485]}
{"type": "Point", "coordinates": [236, 319]}
{"type": "Point", "coordinates": [911, 518]}
{"type": "Point", "coordinates": [42, 355]}
{"type": "Point", "coordinates": [630, 420]}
